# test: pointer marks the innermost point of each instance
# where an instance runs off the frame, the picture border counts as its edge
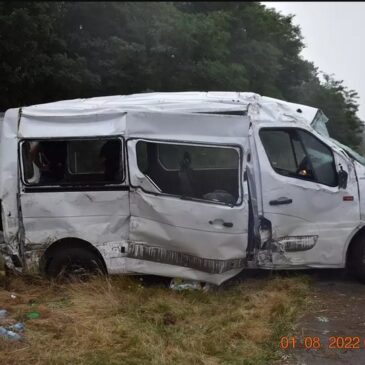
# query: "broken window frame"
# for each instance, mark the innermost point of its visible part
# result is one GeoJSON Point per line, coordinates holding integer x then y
{"type": "Point", "coordinates": [238, 148]}
{"type": "Point", "coordinates": [290, 130]}
{"type": "Point", "coordinates": [74, 186]}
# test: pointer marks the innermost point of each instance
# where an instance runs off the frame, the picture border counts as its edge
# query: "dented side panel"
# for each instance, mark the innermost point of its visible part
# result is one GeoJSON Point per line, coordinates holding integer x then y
{"type": "Point", "coordinates": [9, 186]}
{"type": "Point", "coordinates": [184, 225]}
{"type": "Point", "coordinates": [184, 237]}
{"type": "Point", "coordinates": [140, 250]}
{"type": "Point", "coordinates": [100, 218]}
{"type": "Point", "coordinates": [176, 235]}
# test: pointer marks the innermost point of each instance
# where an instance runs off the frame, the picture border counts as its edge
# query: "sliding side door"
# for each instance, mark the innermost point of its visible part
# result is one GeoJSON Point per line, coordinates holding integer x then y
{"type": "Point", "coordinates": [188, 215]}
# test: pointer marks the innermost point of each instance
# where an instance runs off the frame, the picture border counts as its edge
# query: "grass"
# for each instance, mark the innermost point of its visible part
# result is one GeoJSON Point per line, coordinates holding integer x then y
{"type": "Point", "coordinates": [117, 320]}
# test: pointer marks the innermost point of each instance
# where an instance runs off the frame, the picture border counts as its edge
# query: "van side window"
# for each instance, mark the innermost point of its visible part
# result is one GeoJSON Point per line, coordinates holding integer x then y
{"type": "Point", "coordinates": [296, 153]}
{"type": "Point", "coordinates": [321, 158]}
{"type": "Point", "coordinates": [279, 149]}
{"type": "Point", "coordinates": [198, 172]}
{"type": "Point", "coordinates": [72, 162]}
{"type": "Point", "coordinates": [201, 157]}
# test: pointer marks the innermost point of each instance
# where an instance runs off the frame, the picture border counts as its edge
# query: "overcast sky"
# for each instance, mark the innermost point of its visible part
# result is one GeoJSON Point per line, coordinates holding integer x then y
{"type": "Point", "coordinates": [334, 35]}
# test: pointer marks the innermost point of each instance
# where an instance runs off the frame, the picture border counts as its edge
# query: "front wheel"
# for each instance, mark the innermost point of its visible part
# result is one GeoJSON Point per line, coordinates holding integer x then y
{"type": "Point", "coordinates": [74, 263]}
{"type": "Point", "coordinates": [356, 258]}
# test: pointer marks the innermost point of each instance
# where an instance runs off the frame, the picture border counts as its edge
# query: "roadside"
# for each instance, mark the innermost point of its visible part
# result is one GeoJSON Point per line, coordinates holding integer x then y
{"type": "Point", "coordinates": [140, 320]}
{"type": "Point", "coordinates": [123, 320]}
{"type": "Point", "coordinates": [336, 309]}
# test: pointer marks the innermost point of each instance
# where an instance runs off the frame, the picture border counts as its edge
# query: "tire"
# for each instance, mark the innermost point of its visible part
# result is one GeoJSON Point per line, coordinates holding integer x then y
{"type": "Point", "coordinates": [356, 259]}
{"type": "Point", "coordinates": [74, 263]}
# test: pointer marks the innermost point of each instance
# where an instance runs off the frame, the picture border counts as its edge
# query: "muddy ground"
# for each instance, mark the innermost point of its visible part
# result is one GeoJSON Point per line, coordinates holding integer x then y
{"type": "Point", "coordinates": [337, 309]}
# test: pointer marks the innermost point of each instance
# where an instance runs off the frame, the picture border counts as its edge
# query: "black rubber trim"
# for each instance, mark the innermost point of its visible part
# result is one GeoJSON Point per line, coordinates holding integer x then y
{"type": "Point", "coordinates": [281, 202]}
{"type": "Point", "coordinates": [225, 112]}
{"type": "Point", "coordinates": [60, 189]}
{"type": "Point", "coordinates": [70, 184]}
{"type": "Point", "coordinates": [292, 130]}
{"type": "Point", "coordinates": [213, 144]}
{"type": "Point", "coordinates": [16, 261]}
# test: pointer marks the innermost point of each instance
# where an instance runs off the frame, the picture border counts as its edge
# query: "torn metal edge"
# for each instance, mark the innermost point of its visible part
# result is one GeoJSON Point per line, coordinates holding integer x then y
{"type": "Point", "coordinates": [142, 251]}
{"type": "Point", "coordinates": [298, 243]}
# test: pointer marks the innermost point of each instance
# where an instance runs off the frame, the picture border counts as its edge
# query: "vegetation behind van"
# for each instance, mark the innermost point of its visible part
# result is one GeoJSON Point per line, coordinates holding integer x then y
{"type": "Point", "coordinates": [78, 49]}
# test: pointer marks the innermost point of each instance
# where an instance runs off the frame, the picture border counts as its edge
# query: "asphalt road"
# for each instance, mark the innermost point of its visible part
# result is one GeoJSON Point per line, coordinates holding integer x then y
{"type": "Point", "coordinates": [336, 316]}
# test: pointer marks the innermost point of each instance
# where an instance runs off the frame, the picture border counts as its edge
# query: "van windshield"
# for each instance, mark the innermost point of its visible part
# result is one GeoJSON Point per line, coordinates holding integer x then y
{"type": "Point", "coordinates": [353, 154]}
{"type": "Point", "coordinates": [319, 125]}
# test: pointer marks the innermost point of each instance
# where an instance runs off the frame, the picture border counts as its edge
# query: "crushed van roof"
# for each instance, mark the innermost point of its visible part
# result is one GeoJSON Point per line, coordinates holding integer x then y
{"type": "Point", "coordinates": [175, 102]}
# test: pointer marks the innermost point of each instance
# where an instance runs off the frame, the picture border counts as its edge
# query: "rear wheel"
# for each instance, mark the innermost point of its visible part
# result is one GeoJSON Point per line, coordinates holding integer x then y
{"type": "Point", "coordinates": [74, 263]}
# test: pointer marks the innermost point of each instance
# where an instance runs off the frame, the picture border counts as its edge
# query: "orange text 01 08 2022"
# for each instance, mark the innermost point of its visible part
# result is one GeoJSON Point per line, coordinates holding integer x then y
{"type": "Point", "coordinates": [315, 342]}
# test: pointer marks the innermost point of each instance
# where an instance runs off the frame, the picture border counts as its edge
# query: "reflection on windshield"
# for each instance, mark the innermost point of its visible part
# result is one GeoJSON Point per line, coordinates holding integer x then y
{"type": "Point", "coordinates": [319, 125]}
{"type": "Point", "coordinates": [356, 156]}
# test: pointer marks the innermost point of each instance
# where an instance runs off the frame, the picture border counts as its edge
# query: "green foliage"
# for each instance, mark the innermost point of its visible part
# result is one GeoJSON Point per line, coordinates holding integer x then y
{"type": "Point", "coordinates": [338, 103]}
{"type": "Point", "coordinates": [62, 50]}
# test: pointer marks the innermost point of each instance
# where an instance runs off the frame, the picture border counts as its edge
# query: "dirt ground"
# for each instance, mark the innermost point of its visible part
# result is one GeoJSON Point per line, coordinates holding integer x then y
{"type": "Point", "coordinates": [125, 320]}
{"type": "Point", "coordinates": [337, 309]}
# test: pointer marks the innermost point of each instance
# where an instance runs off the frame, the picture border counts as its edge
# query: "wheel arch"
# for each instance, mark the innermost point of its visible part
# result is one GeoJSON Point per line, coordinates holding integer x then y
{"type": "Point", "coordinates": [74, 242]}
{"type": "Point", "coordinates": [358, 233]}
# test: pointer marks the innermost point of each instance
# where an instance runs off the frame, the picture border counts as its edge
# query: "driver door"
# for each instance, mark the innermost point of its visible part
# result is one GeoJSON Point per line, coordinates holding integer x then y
{"type": "Point", "coordinates": [311, 217]}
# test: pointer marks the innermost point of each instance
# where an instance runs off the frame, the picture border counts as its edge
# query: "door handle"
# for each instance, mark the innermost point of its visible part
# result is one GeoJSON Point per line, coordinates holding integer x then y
{"type": "Point", "coordinates": [220, 221]}
{"type": "Point", "coordinates": [281, 201]}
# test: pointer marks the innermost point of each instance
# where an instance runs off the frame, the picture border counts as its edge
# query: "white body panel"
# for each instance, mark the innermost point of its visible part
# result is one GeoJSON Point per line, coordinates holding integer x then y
{"type": "Point", "coordinates": [118, 221]}
{"type": "Point", "coordinates": [180, 231]}
{"type": "Point", "coordinates": [316, 210]}
{"type": "Point", "coordinates": [360, 171]}
{"type": "Point", "coordinates": [98, 217]}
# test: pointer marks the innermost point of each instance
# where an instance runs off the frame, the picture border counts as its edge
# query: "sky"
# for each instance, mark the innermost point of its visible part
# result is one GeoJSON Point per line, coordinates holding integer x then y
{"type": "Point", "coordinates": [334, 35]}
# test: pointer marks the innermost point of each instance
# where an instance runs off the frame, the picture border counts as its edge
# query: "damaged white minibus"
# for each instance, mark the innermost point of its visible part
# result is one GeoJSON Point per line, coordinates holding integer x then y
{"type": "Point", "coordinates": [197, 185]}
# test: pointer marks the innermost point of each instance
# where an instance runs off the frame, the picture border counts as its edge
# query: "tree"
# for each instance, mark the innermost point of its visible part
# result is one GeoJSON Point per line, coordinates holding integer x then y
{"type": "Point", "coordinates": [63, 50]}
{"type": "Point", "coordinates": [35, 63]}
{"type": "Point", "coordinates": [338, 103]}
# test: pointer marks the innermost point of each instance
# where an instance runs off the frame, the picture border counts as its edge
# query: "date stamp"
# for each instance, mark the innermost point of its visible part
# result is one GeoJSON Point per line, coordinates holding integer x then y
{"type": "Point", "coordinates": [314, 342]}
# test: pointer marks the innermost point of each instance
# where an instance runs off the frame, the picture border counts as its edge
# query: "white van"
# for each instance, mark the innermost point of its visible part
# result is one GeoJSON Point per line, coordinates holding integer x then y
{"type": "Point", "coordinates": [197, 185]}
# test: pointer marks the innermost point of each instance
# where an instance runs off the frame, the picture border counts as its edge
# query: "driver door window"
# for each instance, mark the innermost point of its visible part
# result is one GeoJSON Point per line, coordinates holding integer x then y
{"type": "Point", "coordinates": [298, 154]}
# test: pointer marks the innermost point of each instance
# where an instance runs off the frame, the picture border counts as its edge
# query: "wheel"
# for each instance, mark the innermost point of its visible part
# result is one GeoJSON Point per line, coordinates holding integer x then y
{"type": "Point", "coordinates": [74, 263]}
{"type": "Point", "coordinates": [356, 258]}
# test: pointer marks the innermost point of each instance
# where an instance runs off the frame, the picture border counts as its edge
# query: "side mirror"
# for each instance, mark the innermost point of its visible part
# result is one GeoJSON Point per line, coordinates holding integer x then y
{"type": "Point", "coordinates": [342, 178]}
